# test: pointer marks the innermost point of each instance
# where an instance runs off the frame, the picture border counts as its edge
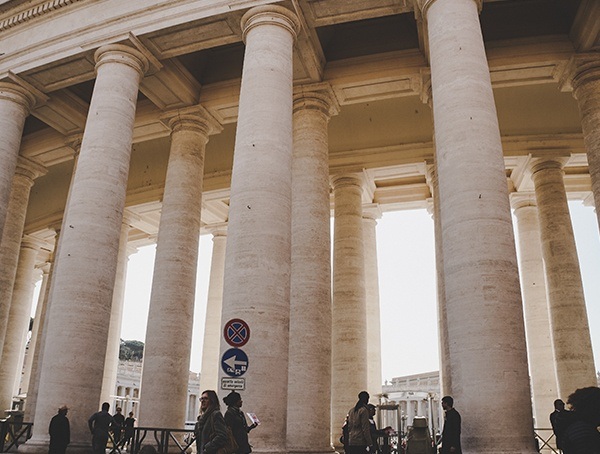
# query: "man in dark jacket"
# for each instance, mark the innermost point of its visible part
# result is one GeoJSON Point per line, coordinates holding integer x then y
{"type": "Point", "coordinates": [451, 432]}
{"type": "Point", "coordinates": [99, 424]}
{"type": "Point", "coordinates": [60, 432]}
{"type": "Point", "coordinates": [559, 419]}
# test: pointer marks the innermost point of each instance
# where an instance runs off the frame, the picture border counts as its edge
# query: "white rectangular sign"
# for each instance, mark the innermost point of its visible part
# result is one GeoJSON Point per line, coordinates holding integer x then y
{"type": "Point", "coordinates": [234, 384]}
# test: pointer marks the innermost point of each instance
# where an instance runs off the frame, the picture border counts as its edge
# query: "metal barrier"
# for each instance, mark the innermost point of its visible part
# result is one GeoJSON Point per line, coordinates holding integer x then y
{"type": "Point", "coordinates": [13, 434]}
{"type": "Point", "coordinates": [171, 441]}
{"type": "Point", "coordinates": [543, 438]}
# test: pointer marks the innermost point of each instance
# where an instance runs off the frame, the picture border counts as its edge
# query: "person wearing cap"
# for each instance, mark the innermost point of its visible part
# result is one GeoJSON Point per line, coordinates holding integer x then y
{"type": "Point", "coordinates": [60, 432]}
{"type": "Point", "coordinates": [236, 420]}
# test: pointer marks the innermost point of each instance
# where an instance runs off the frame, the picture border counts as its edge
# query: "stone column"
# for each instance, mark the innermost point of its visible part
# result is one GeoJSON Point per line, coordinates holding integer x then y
{"type": "Point", "coordinates": [486, 336]}
{"type": "Point", "coordinates": [568, 316]}
{"type": "Point", "coordinates": [370, 215]}
{"type": "Point", "coordinates": [33, 342]}
{"type": "Point", "coordinates": [586, 89]}
{"type": "Point", "coordinates": [86, 264]}
{"type": "Point", "coordinates": [171, 315]}
{"type": "Point", "coordinates": [209, 377]}
{"type": "Point", "coordinates": [15, 103]}
{"type": "Point", "coordinates": [27, 171]}
{"type": "Point", "coordinates": [445, 375]}
{"type": "Point", "coordinates": [18, 326]}
{"type": "Point", "coordinates": [349, 331]}
{"type": "Point", "coordinates": [40, 336]}
{"type": "Point", "coordinates": [535, 303]}
{"type": "Point", "coordinates": [113, 346]}
{"type": "Point", "coordinates": [310, 283]}
{"type": "Point", "coordinates": [257, 261]}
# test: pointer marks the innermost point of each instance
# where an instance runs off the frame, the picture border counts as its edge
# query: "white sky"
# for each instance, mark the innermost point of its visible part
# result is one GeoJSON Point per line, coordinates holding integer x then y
{"type": "Point", "coordinates": [407, 289]}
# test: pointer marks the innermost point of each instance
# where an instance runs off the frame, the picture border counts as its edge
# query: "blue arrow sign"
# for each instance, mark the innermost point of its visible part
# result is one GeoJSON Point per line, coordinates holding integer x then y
{"type": "Point", "coordinates": [234, 362]}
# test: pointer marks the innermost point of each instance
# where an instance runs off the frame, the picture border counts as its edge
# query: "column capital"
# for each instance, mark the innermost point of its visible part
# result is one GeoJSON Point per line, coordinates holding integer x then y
{"type": "Point", "coordinates": [581, 69]}
{"type": "Point", "coordinates": [119, 53]}
{"type": "Point", "coordinates": [522, 200]}
{"type": "Point", "coordinates": [347, 179]}
{"type": "Point", "coordinates": [16, 93]}
{"type": "Point", "coordinates": [423, 5]}
{"type": "Point", "coordinates": [217, 230]}
{"type": "Point", "coordinates": [270, 14]}
{"type": "Point", "coordinates": [29, 168]}
{"type": "Point", "coordinates": [557, 162]}
{"type": "Point", "coordinates": [30, 242]}
{"type": "Point", "coordinates": [194, 118]}
{"type": "Point", "coordinates": [371, 211]}
{"type": "Point", "coordinates": [317, 97]}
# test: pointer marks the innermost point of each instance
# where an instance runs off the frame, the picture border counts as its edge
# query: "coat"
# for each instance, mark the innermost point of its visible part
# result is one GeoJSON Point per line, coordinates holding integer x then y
{"type": "Point", "coordinates": [210, 432]}
{"type": "Point", "coordinates": [451, 432]}
{"type": "Point", "coordinates": [236, 420]}
{"type": "Point", "coordinates": [359, 427]}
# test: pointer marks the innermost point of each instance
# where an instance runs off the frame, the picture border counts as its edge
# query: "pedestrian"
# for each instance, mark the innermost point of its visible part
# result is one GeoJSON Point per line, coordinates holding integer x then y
{"type": "Point", "coordinates": [451, 432]}
{"type": "Point", "coordinates": [129, 430]}
{"type": "Point", "coordinates": [236, 420]}
{"type": "Point", "coordinates": [100, 424]}
{"type": "Point", "coordinates": [60, 432]}
{"type": "Point", "coordinates": [559, 420]}
{"type": "Point", "coordinates": [118, 425]}
{"type": "Point", "coordinates": [375, 432]}
{"type": "Point", "coordinates": [581, 436]}
{"type": "Point", "coordinates": [359, 427]}
{"type": "Point", "coordinates": [210, 430]}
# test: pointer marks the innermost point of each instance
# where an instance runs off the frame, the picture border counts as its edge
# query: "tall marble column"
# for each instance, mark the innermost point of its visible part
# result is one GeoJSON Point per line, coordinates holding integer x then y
{"type": "Point", "coordinates": [486, 336]}
{"type": "Point", "coordinates": [168, 344]}
{"type": "Point", "coordinates": [370, 215]}
{"type": "Point", "coordinates": [349, 330]}
{"type": "Point", "coordinates": [27, 171]}
{"type": "Point", "coordinates": [40, 334]}
{"type": "Point", "coordinates": [86, 264]}
{"type": "Point", "coordinates": [445, 374]}
{"type": "Point", "coordinates": [209, 376]}
{"type": "Point", "coordinates": [111, 363]}
{"type": "Point", "coordinates": [310, 282]}
{"type": "Point", "coordinates": [586, 89]}
{"type": "Point", "coordinates": [18, 325]}
{"type": "Point", "coordinates": [33, 342]}
{"type": "Point", "coordinates": [568, 316]}
{"type": "Point", "coordinates": [15, 103]}
{"type": "Point", "coordinates": [535, 303]}
{"type": "Point", "coordinates": [257, 260]}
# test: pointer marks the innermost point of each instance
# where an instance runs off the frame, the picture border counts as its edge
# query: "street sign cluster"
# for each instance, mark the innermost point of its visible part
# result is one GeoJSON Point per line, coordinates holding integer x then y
{"type": "Point", "coordinates": [234, 361]}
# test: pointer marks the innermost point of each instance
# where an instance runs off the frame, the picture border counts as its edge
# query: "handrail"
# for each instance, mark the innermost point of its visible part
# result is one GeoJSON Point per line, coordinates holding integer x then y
{"type": "Point", "coordinates": [13, 434]}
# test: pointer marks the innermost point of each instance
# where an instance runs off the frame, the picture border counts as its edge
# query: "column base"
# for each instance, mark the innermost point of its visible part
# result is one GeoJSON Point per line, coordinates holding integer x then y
{"type": "Point", "coordinates": [315, 451]}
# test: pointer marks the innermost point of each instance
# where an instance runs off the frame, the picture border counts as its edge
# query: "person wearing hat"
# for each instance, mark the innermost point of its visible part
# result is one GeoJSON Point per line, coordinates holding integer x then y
{"type": "Point", "coordinates": [60, 432]}
{"type": "Point", "coordinates": [236, 420]}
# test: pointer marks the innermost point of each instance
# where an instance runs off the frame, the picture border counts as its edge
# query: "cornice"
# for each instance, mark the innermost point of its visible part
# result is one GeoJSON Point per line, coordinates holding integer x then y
{"type": "Point", "coordinates": [25, 14]}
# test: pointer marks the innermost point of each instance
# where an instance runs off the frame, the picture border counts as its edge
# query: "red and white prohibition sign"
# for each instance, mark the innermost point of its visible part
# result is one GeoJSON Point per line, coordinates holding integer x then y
{"type": "Point", "coordinates": [236, 332]}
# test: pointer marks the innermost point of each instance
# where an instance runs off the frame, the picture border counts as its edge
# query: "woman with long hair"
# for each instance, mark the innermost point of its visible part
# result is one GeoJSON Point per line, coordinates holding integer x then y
{"type": "Point", "coordinates": [210, 430]}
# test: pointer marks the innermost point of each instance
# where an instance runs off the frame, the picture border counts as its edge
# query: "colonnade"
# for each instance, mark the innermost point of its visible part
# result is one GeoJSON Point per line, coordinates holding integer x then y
{"type": "Point", "coordinates": [311, 346]}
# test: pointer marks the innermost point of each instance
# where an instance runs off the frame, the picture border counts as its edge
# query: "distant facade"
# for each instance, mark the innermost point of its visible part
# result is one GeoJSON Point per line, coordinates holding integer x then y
{"type": "Point", "coordinates": [127, 390]}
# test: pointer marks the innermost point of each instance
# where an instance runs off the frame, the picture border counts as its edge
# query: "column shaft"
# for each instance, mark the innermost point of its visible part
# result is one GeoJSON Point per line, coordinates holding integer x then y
{"type": "Point", "coordinates": [372, 302]}
{"type": "Point", "coordinates": [310, 285]}
{"type": "Point", "coordinates": [33, 342]}
{"type": "Point", "coordinates": [209, 377]}
{"type": "Point", "coordinates": [171, 315]}
{"type": "Point", "coordinates": [257, 262]}
{"type": "Point", "coordinates": [113, 346]}
{"type": "Point", "coordinates": [18, 326]}
{"type": "Point", "coordinates": [586, 88]}
{"type": "Point", "coordinates": [535, 303]}
{"type": "Point", "coordinates": [486, 337]}
{"type": "Point", "coordinates": [568, 316]}
{"type": "Point", "coordinates": [84, 277]}
{"type": "Point", "coordinates": [349, 347]}
{"type": "Point", "coordinates": [15, 104]}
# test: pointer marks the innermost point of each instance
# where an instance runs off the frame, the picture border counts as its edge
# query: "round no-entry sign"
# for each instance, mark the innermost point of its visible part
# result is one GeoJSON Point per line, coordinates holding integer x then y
{"type": "Point", "coordinates": [236, 332]}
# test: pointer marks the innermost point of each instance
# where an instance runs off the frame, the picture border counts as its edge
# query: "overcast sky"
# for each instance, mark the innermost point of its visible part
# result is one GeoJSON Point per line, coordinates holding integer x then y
{"type": "Point", "coordinates": [407, 289]}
